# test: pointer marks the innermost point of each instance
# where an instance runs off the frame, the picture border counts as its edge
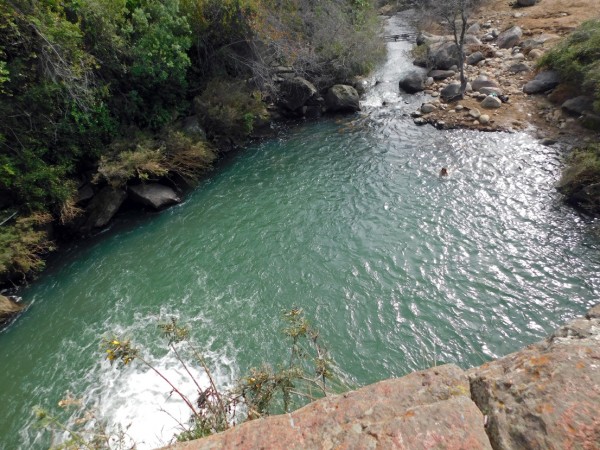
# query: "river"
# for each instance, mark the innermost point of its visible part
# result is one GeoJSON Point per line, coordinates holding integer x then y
{"type": "Point", "coordinates": [345, 217]}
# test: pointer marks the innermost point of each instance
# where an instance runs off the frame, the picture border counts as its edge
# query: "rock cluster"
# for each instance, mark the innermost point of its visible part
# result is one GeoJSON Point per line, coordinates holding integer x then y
{"type": "Point", "coordinates": [500, 65]}
{"type": "Point", "coordinates": [295, 97]}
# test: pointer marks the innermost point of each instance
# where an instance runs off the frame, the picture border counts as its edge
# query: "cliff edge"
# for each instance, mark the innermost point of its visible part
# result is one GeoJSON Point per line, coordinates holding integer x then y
{"type": "Point", "coordinates": [545, 396]}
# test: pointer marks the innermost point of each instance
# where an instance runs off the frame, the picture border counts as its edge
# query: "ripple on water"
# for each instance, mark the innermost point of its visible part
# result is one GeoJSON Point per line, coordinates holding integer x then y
{"type": "Point", "coordinates": [346, 218]}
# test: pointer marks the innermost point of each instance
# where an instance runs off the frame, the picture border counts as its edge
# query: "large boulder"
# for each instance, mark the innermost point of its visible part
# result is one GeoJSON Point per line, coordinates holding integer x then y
{"type": "Point", "coordinates": [155, 195]}
{"type": "Point", "coordinates": [342, 98]}
{"type": "Point", "coordinates": [413, 81]}
{"type": "Point", "coordinates": [474, 58]}
{"type": "Point", "coordinates": [423, 410]}
{"type": "Point", "coordinates": [526, 2]}
{"type": "Point", "coordinates": [451, 92]}
{"type": "Point", "coordinates": [471, 40]}
{"type": "Point", "coordinates": [546, 396]}
{"type": "Point", "coordinates": [519, 67]}
{"type": "Point", "coordinates": [443, 55]}
{"type": "Point", "coordinates": [491, 102]}
{"type": "Point", "coordinates": [483, 81]}
{"type": "Point", "coordinates": [103, 207]}
{"type": "Point", "coordinates": [543, 82]}
{"type": "Point", "coordinates": [441, 74]}
{"type": "Point", "coordinates": [510, 37]}
{"type": "Point", "coordinates": [294, 92]}
{"type": "Point", "coordinates": [590, 121]}
{"type": "Point", "coordinates": [578, 105]}
{"type": "Point", "coordinates": [488, 90]}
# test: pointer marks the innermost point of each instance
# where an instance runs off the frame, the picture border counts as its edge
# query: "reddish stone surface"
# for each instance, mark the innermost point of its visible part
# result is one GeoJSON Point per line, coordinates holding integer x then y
{"type": "Point", "coordinates": [546, 396]}
{"type": "Point", "coordinates": [424, 410]}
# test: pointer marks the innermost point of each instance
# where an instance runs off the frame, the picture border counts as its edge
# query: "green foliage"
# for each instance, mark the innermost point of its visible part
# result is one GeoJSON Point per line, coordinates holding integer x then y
{"type": "Point", "coordinates": [582, 169]}
{"type": "Point", "coordinates": [577, 59]}
{"type": "Point", "coordinates": [23, 243]}
{"type": "Point", "coordinates": [306, 376]}
{"type": "Point", "coordinates": [86, 432]}
{"type": "Point", "coordinates": [143, 163]}
{"type": "Point", "coordinates": [160, 38]}
{"type": "Point", "coordinates": [145, 157]}
{"type": "Point", "coordinates": [228, 108]}
{"type": "Point", "coordinates": [186, 156]}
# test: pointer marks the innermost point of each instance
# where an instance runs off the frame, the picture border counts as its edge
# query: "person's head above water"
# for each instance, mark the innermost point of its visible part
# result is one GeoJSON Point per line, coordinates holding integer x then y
{"type": "Point", "coordinates": [443, 172]}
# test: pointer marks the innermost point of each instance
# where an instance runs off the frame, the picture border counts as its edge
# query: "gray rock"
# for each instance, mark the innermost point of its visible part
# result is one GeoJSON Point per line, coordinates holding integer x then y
{"type": "Point", "coordinates": [294, 92]}
{"type": "Point", "coordinates": [419, 121]}
{"type": "Point", "coordinates": [488, 37]}
{"type": "Point", "coordinates": [471, 40]}
{"type": "Point", "coordinates": [519, 67]}
{"type": "Point", "coordinates": [578, 105]}
{"type": "Point", "coordinates": [429, 81]}
{"type": "Point", "coordinates": [426, 108]}
{"type": "Point", "coordinates": [153, 194]}
{"type": "Point", "coordinates": [451, 92]}
{"type": "Point", "coordinates": [510, 37]}
{"type": "Point", "coordinates": [474, 58]}
{"type": "Point", "coordinates": [543, 82]}
{"type": "Point", "coordinates": [530, 44]}
{"type": "Point", "coordinates": [490, 102]}
{"type": "Point", "coordinates": [488, 90]}
{"type": "Point", "coordinates": [590, 121]}
{"type": "Point", "coordinates": [441, 74]}
{"type": "Point", "coordinates": [443, 55]}
{"type": "Point", "coordinates": [342, 98]}
{"type": "Point", "coordinates": [474, 113]}
{"type": "Point", "coordinates": [483, 81]}
{"type": "Point", "coordinates": [103, 207]}
{"type": "Point", "coordinates": [312, 111]}
{"type": "Point", "coordinates": [526, 2]}
{"type": "Point", "coordinates": [360, 84]}
{"type": "Point", "coordinates": [84, 193]}
{"type": "Point", "coordinates": [535, 54]}
{"type": "Point", "coordinates": [484, 119]}
{"type": "Point", "coordinates": [548, 142]}
{"type": "Point", "coordinates": [473, 29]}
{"type": "Point", "coordinates": [413, 82]}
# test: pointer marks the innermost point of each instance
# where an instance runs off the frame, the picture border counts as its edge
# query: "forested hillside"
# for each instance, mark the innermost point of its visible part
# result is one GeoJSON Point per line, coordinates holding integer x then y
{"type": "Point", "coordinates": [96, 91]}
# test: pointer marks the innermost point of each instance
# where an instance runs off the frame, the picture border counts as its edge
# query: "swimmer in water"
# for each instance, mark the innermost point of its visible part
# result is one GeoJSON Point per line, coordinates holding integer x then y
{"type": "Point", "coordinates": [444, 172]}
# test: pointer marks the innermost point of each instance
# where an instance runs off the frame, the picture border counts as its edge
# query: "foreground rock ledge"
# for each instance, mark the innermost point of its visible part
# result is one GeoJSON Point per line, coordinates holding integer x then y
{"type": "Point", "coordinates": [546, 396]}
{"type": "Point", "coordinates": [428, 409]}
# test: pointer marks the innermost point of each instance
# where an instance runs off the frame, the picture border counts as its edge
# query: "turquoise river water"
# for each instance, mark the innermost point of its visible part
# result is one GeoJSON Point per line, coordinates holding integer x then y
{"type": "Point", "coordinates": [344, 217]}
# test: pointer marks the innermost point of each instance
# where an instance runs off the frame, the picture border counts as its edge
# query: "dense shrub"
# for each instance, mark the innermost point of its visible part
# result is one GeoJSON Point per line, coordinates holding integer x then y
{"type": "Point", "coordinates": [23, 243]}
{"type": "Point", "coordinates": [145, 157]}
{"type": "Point", "coordinates": [583, 169]}
{"type": "Point", "coordinates": [577, 59]}
{"type": "Point", "coordinates": [77, 75]}
{"type": "Point", "coordinates": [230, 109]}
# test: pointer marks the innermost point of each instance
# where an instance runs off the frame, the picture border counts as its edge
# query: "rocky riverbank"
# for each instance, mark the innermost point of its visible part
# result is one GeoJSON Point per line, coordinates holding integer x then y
{"type": "Point", "coordinates": [544, 396]}
{"type": "Point", "coordinates": [507, 92]}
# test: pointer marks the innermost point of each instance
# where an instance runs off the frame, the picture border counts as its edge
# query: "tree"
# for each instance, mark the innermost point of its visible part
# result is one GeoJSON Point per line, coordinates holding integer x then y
{"type": "Point", "coordinates": [454, 16]}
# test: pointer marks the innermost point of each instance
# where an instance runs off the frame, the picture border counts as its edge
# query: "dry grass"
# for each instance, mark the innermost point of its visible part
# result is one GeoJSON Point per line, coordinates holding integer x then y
{"type": "Point", "coordinates": [9, 307]}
